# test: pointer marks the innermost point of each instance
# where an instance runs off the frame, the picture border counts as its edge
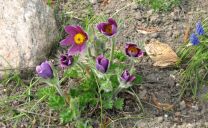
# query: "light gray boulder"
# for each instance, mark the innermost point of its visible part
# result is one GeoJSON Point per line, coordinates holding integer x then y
{"type": "Point", "coordinates": [27, 32]}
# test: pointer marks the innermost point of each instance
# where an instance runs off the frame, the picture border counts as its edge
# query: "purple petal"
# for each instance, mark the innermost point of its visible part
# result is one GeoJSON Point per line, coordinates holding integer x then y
{"type": "Point", "coordinates": [71, 30]}
{"type": "Point", "coordinates": [105, 62]}
{"type": "Point", "coordinates": [102, 63]}
{"type": "Point", "coordinates": [83, 47]}
{"type": "Point", "coordinates": [131, 78]}
{"type": "Point", "coordinates": [140, 54]}
{"type": "Point", "coordinates": [44, 70]}
{"type": "Point", "coordinates": [112, 21]}
{"type": "Point", "coordinates": [125, 75]}
{"type": "Point", "coordinates": [99, 58]}
{"type": "Point", "coordinates": [79, 29]}
{"type": "Point", "coordinates": [114, 30]}
{"type": "Point", "coordinates": [100, 68]}
{"type": "Point", "coordinates": [65, 60]}
{"type": "Point", "coordinates": [76, 49]}
{"type": "Point", "coordinates": [67, 41]}
{"type": "Point", "coordinates": [100, 27]}
{"type": "Point", "coordinates": [38, 69]}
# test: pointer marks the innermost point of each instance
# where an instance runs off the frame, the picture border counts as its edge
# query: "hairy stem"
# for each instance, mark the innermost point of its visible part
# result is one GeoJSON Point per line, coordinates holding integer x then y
{"type": "Point", "coordinates": [132, 65]}
{"type": "Point", "coordinates": [89, 52]}
{"type": "Point", "coordinates": [116, 92]}
{"type": "Point", "coordinates": [137, 97]}
{"type": "Point", "coordinates": [100, 98]}
{"type": "Point", "coordinates": [57, 86]}
{"type": "Point", "coordinates": [112, 50]}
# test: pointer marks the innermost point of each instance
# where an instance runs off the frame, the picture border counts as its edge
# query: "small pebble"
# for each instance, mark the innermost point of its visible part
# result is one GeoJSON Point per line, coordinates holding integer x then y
{"type": "Point", "coordinates": [195, 107]}
{"type": "Point", "coordinates": [160, 119]}
{"type": "Point", "coordinates": [177, 114]}
{"type": "Point", "coordinates": [182, 105]}
{"type": "Point", "coordinates": [177, 84]}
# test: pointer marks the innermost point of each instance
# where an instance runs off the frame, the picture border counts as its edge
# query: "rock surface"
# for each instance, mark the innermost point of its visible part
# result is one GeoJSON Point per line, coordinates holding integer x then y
{"type": "Point", "coordinates": [27, 31]}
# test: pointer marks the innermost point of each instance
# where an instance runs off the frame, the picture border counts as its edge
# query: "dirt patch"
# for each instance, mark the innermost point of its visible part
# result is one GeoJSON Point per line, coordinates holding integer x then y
{"type": "Point", "coordinates": [160, 87]}
{"type": "Point", "coordinates": [163, 84]}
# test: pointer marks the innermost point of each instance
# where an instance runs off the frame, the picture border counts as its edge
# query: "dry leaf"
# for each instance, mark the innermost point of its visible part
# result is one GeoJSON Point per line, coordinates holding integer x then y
{"type": "Point", "coordinates": [186, 34]}
{"type": "Point", "coordinates": [149, 30]}
{"type": "Point", "coordinates": [162, 54]}
{"type": "Point", "coordinates": [162, 106]}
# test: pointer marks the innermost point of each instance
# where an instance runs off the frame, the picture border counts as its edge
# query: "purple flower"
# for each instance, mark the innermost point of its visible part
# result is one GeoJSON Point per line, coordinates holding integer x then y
{"type": "Point", "coordinates": [194, 39]}
{"type": "Point", "coordinates": [66, 60]}
{"type": "Point", "coordinates": [133, 51]}
{"type": "Point", "coordinates": [44, 70]}
{"type": "Point", "coordinates": [102, 63]}
{"type": "Point", "coordinates": [76, 40]}
{"type": "Point", "coordinates": [108, 28]}
{"type": "Point", "coordinates": [199, 28]}
{"type": "Point", "coordinates": [126, 77]}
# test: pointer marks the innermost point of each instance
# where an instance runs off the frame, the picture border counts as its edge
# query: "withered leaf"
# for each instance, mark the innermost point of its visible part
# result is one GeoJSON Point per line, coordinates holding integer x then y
{"type": "Point", "coordinates": [161, 53]}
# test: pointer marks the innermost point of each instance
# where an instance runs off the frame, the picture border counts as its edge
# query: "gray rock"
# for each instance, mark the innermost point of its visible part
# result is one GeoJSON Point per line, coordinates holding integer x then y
{"type": "Point", "coordinates": [27, 31]}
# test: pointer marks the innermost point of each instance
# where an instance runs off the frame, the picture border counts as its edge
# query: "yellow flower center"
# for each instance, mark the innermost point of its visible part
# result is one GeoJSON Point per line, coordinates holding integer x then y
{"type": "Point", "coordinates": [79, 38]}
{"type": "Point", "coordinates": [108, 29]}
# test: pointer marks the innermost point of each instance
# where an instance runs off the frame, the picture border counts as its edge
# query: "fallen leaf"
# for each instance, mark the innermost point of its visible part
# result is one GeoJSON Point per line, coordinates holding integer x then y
{"type": "Point", "coordinates": [186, 34]}
{"type": "Point", "coordinates": [146, 31]}
{"type": "Point", "coordinates": [161, 53]}
{"type": "Point", "coordinates": [162, 106]}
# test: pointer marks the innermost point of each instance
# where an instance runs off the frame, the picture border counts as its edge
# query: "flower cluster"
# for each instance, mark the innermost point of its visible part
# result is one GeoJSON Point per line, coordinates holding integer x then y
{"type": "Point", "coordinates": [76, 41]}
{"type": "Point", "coordinates": [101, 76]}
{"type": "Point", "coordinates": [199, 31]}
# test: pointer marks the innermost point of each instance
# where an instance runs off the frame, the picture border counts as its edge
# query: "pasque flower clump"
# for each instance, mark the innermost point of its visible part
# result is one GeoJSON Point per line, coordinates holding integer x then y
{"type": "Point", "coordinates": [101, 77]}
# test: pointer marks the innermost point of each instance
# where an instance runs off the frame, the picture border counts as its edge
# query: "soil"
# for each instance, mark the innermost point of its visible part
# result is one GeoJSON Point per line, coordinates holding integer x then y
{"type": "Point", "coordinates": [159, 86]}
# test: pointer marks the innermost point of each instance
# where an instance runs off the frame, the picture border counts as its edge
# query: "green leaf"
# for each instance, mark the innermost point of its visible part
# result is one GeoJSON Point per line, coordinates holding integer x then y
{"type": "Point", "coordinates": [85, 98]}
{"type": "Point", "coordinates": [114, 81]}
{"type": "Point", "coordinates": [106, 86]}
{"type": "Point", "coordinates": [46, 91]}
{"type": "Point", "coordinates": [108, 104]}
{"type": "Point", "coordinates": [82, 124]}
{"type": "Point", "coordinates": [138, 79]}
{"type": "Point", "coordinates": [71, 113]}
{"type": "Point", "coordinates": [120, 56]}
{"type": "Point", "coordinates": [66, 116]}
{"type": "Point", "coordinates": [56, 102]}
{"type": "Point", "coordinates": [119, 103]}
{"type": "Point", "coordinates": [71, 72]}
{"type": "Point", "coordinates": [107, 100]}
{"type": "Point", "coordinates": [88, 83]}
{"type": "Point", "coordinates": [74, 92]}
